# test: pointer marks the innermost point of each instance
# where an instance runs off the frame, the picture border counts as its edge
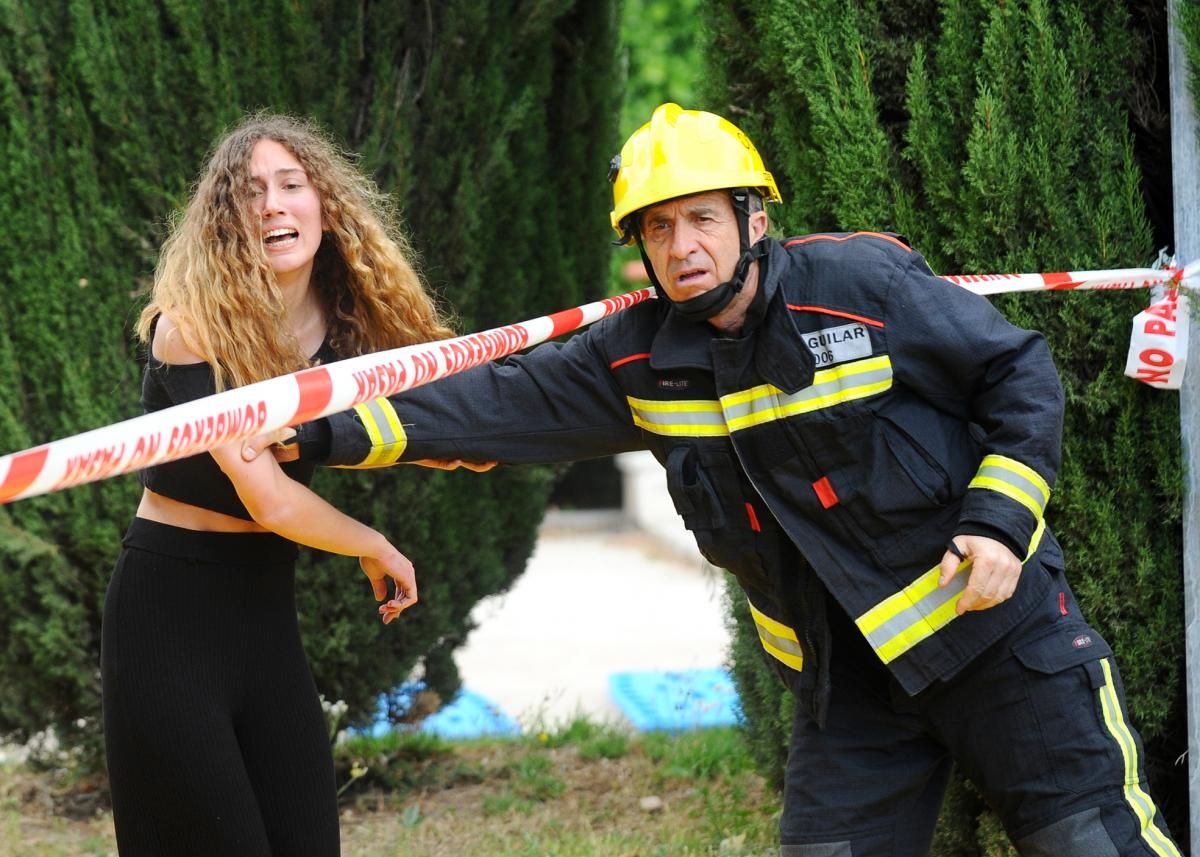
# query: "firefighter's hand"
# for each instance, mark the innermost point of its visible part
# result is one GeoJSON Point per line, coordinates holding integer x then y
{"type": "Point", "coordinates": [281, 443]}
{"type": "Point", "coordinates": [993, 571]}
{"type": "Point", "coordinates": [454, 464]}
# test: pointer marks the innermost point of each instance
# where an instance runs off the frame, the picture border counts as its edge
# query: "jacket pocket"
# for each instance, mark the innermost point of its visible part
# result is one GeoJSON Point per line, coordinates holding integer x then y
{"type": "Point", "coordinates": [695, 497]}
{"type": "Point", "coordinates": [926, 475]}
{"type": "Point", "coordinates": [707, 494]}
{"type": "Point", "coordinates": [880, 480]}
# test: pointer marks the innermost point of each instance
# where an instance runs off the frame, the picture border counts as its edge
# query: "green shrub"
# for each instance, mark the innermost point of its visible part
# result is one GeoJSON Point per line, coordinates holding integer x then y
{"type": "Point", "coordinates": [998, 137]}
{"type": "Point", "coordinates": [493, 126]}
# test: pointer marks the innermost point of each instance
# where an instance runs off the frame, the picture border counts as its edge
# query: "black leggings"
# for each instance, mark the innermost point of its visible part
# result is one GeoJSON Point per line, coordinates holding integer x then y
{"type": "Point", "coordinates": [215, 737]}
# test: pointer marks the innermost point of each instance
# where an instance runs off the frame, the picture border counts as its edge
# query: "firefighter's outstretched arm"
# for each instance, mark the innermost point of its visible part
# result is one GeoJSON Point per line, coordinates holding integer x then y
{"type": "Point", "coordinates": [284, 446]}
{"type": "Point", "coordinates": [556, 403]}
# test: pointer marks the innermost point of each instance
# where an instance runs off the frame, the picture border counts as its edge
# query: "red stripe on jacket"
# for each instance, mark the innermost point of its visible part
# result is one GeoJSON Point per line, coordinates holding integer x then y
{"type": "Point", "coordinates": [809, 238]}
{"type": "Point", "coordinates": [629, 359]}
{"type": "Point", "coordinates": [839, 313]}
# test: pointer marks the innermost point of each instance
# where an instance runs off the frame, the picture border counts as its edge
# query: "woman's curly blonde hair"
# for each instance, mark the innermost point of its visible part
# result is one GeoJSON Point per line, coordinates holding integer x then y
{"type": "Point", "coordinates": [214, 279]}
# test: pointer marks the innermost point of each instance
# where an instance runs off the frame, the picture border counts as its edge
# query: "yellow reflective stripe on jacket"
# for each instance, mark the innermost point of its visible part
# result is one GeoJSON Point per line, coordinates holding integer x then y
{"type": "Point", "coordinates": [766, 402]}
{"type": "Point", "coordinates": [688, 418]}
{"type": "Point", "coordinates": [383, 427]}
{"type": "Point", "coordinates": [1137, 798]}
{"type": "Point", "coordinates": [1015, 481]}
{"type": "Point", "coordinates": [919, 610]}
{"type": "Point", "coordinates": [778, 639]}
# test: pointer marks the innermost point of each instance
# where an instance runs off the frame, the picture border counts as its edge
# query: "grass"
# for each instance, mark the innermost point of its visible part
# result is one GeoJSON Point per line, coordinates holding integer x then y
{"type": "Point", "coordinates": [575, 790]}
{"type": "Point", "coordinates": [581, 790]}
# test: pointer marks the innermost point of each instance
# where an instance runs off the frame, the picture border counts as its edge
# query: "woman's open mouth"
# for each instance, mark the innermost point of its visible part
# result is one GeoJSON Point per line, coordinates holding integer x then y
{"type": "Point", "coordinates": [280, 239]}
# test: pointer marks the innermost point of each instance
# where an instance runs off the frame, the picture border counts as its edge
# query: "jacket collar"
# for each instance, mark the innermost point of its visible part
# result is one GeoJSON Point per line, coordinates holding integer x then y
{"type": "Point", "coordinates": [683, 344]}
{"type": "Point", "coordinates": [779, 353]}
{"type": "Point", "coordinates": [781, 357]}
{"type": "Point", "coordinates": [679, 343]}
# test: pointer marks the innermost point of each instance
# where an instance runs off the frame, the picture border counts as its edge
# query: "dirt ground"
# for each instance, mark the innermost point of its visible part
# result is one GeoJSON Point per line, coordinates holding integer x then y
{"type": "Point", "coordinates": [485, 801]}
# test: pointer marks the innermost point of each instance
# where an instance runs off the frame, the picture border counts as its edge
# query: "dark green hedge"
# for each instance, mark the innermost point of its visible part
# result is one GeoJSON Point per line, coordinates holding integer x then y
{"type": "Point", "coordinates": [493, 122]}
{"type": "Point", "coordinates": [998, 137]}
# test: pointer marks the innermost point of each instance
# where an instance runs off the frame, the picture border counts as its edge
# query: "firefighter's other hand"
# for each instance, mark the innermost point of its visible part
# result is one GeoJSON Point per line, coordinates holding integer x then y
{"type": "Point", "coordinates": [281, 443]}
{"type": "Point", "coordinates": [992, 569]}
{"type": "Point", "coordinates": [454, 464]}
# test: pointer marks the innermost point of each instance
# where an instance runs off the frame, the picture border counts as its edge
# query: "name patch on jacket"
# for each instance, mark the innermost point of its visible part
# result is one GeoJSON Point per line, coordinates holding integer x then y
{"type": "Point", "coordinates": [832, 345]}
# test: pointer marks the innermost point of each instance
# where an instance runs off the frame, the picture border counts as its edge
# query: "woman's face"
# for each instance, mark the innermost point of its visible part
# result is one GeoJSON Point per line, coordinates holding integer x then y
{"type": "Point", "coordinates": [290, 212]}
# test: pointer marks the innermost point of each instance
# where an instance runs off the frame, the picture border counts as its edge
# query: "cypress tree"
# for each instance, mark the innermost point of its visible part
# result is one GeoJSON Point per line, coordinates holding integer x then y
{"type": "Point", "coordinates": [491, 123]}
{"type": "Point", "coordinates": [1189, 26]}
{"type": "Point", "coordinates": [998, 138]}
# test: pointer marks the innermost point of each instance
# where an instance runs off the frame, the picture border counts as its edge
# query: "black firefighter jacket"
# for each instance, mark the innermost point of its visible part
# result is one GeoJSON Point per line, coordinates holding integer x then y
{"type": "Point", "coordinates": [869, 412]}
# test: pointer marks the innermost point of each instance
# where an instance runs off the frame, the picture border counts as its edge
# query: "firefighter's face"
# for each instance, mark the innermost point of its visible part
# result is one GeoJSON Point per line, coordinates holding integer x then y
{"type": "Point", "coordinates": [693, 242]}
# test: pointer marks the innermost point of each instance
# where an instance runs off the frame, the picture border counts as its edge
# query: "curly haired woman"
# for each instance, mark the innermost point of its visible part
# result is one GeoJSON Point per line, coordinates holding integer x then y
{"type": "Point", "coordinates": [285, 256]}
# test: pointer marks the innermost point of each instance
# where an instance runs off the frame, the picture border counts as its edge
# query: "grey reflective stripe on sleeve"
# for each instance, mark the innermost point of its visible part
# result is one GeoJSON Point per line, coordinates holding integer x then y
{"type": "Point", "coordinates": [919, 610]}
{"type": "Point", "coordinates": [916, 620]}
{"type": "Point", "coordinates": [382, 424]}
{"type": "Point", "coordinates": [766, 402]}
{"type": "Point", "coordinates": [1015, 481]}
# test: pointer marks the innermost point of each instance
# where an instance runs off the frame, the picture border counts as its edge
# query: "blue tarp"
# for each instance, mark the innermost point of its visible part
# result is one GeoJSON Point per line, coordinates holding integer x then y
{"type": "Point", "coordinates": [467, 715]}
{"type": "Point", "coordinates": [675, 700]}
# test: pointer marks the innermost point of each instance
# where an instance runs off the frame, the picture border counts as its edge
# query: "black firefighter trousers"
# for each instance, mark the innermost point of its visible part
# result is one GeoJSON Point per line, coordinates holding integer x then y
{"type": "Point", "coordinates": [1038, 723]}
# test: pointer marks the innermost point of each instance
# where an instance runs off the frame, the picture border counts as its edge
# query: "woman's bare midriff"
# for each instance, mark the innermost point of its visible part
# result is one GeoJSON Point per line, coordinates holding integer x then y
{"type": "Point", "coordinates": [164, 510]}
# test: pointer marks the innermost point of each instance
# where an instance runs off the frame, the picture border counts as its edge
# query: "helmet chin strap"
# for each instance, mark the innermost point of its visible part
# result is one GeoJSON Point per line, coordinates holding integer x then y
{"type": "Point", "coordinates": [704, 306]}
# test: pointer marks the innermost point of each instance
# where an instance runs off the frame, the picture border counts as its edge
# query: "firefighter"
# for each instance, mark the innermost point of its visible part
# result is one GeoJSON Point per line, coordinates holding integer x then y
{"type": "Point", "coordinates": [870, 450]}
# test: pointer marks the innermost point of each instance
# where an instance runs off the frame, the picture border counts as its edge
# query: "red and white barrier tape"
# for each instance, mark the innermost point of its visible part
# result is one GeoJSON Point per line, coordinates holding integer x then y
{"type": "Point", "coordinates": [1158, 345]}
{"type": "Point", "coordinates": [1159, 342]}
{"type": "Point", "coordinates": [233, 415]}
{"type": "Point", "coordinates": [236, 414]}
{"type": "Point", "coordinates": [1122, 278]}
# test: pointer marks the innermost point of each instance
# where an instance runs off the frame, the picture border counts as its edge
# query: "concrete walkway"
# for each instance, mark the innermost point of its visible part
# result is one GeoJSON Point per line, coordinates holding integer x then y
{"type": "Point", "coordinates": [599, 596]}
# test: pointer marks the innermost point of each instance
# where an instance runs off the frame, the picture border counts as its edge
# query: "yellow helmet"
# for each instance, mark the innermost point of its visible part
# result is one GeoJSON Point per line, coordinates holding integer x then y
{"type": "Point", "coordinates": [680, 152]}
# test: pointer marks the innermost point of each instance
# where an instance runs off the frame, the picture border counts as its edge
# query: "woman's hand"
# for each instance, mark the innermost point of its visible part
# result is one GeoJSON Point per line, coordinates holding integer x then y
{"type": "Point", "coordinates": [393, 565]}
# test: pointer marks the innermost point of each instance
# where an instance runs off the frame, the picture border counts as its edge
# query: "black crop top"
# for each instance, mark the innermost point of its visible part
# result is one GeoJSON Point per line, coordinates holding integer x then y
{"type": "Point", "coordinates": [198, 479]}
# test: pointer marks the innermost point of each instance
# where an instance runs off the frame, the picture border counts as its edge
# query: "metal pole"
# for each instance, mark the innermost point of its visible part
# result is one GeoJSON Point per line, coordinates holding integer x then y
{"type": "Point", "coordinates": [1186, 187]}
